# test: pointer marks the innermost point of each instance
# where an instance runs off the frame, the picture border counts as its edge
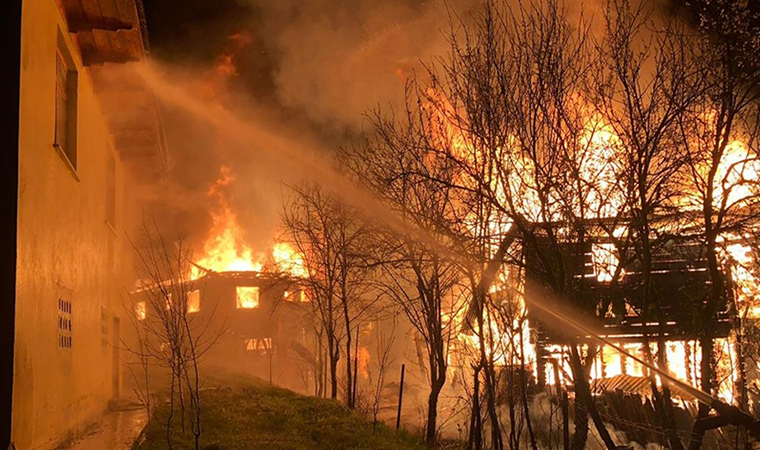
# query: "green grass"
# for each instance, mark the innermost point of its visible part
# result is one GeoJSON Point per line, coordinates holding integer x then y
{"type": "Point", "coordinates": [244, 413]}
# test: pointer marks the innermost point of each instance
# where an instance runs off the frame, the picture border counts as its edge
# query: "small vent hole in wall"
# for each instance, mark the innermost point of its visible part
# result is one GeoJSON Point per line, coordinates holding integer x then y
{"type": "Point", "coordinates": [104, 326]}
{"type": "Point", "coordinates": [64, 323]}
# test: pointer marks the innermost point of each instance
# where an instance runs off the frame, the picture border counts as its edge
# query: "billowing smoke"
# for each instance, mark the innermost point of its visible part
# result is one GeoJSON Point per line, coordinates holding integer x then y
{"type": "Point", "coordinates": [303, 68]}
{"type": "Point", "coordinates": [335, 59]}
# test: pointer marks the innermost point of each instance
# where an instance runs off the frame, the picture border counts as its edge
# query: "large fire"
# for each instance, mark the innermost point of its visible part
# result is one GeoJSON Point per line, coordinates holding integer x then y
{"type": "Point", "coordinates": [225, 248]}
{"type": "Point", "coordinates": [598, 150]}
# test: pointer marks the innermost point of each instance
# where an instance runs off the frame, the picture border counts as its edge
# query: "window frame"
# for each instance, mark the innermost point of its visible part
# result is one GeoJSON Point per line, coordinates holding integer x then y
{"type": "Point", "coordinates": [65, 140]}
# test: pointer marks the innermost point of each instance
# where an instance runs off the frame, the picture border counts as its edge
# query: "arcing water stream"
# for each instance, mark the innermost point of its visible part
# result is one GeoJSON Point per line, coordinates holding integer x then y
{"type": "Point", "coordinates": [306, 161]}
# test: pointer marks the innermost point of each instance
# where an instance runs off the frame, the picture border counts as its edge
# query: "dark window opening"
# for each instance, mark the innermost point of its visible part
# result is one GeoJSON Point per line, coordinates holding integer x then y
{"type": "Point", "coordinates": [65, 104]}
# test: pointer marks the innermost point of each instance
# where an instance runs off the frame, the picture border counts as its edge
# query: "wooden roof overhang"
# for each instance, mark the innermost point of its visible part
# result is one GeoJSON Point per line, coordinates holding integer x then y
{"type": "Point", "coordinates": [109, 35]}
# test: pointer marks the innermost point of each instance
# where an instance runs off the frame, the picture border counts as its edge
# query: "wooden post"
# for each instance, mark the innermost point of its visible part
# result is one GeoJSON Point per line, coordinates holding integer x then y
{"type": "Point", "coordinates": [565, 422]}
{"type": "Point", "coordinates": [558, 388]}
{"type": "Point", "coordinates": [400, 396]}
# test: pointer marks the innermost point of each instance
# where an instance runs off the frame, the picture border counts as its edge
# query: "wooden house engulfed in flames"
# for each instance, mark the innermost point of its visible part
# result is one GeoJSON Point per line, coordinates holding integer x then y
{"type": "Point", "coordinates": [672, 317]}
{"type": "Point", "coordinates": [251, 322]}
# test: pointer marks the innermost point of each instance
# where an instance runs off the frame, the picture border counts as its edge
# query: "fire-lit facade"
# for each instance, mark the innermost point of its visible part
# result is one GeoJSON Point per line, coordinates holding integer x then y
{"type": "Point", "coordinates": [255, 323]}
{"type": "Point", "coordinates": [78, 157]}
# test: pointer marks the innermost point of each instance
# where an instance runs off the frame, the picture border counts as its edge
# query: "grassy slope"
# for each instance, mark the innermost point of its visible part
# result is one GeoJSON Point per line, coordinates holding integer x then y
{"type": "Point", "coordinates": [249, 414]}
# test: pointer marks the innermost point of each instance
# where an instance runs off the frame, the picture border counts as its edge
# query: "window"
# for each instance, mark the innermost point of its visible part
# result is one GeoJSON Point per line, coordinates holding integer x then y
{"type": "Point", "coordinates": [110, 189]}
{"type": "Point", "coordinates": [254, 344]}
{"type": "Point", "coordinates": [65, 104]}
{"type": "Point", "coordinates": [247, 297]}
{"type": "Point", "coordinates": [194, 301]}
{"type": "Point", "coordinates": [64, 324]}
{"type": "Point", "coordinates": [140, 310]}
{"type": "Point", "coordinates": [296, 296]}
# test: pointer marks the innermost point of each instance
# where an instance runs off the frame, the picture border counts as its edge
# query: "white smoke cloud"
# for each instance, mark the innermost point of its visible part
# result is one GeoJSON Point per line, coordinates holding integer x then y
{"type": "Point", "coordinates": [336, 59]}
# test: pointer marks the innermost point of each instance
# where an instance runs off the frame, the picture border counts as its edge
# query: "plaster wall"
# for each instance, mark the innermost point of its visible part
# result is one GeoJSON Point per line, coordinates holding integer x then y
{"type": "Point", "coordinates": [66, 249]}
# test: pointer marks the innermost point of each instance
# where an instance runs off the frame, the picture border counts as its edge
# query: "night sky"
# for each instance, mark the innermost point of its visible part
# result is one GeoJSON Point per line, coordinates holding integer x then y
{"type": "Point", "coordinates": [195, 32]}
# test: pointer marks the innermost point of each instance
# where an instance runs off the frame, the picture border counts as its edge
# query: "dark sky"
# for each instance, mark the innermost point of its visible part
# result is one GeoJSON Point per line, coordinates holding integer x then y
{"type": "Point", "coordinates": [194, 29]}
{"type": "Point", "coordinates": [195, 32]}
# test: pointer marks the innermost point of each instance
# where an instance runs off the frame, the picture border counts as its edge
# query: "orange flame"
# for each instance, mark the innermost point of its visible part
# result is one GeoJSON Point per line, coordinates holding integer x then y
{"type": "Point", "coordinates": [599, 148]}
{"type": "Point", "coordinates": [288, 260]}
{"type": "Point", "coordinates": [225, 248]}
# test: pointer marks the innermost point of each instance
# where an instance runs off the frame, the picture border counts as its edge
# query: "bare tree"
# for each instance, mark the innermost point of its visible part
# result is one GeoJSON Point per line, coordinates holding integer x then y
{"type": "Point", "coordinates": [416, 274]}
{"type": "Point", "coordinates": [332, 238]}
{"type": "Point", "coordinates": [537, 138]}
{"type": "Point", "coordinates": [169, 336]}
{"type": "Point", "coordinates": [645, 84]}
{"type": "Point", "coordinates": [517, 89]}
{"type": "Point", "coordinates": [384, 345]}
{"type": "Point", "coordinates": [720, 140]}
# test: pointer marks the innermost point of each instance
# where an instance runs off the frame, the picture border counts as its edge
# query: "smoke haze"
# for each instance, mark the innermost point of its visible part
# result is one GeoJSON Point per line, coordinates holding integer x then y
{"type": "Point", "coordinates": [303, 68]}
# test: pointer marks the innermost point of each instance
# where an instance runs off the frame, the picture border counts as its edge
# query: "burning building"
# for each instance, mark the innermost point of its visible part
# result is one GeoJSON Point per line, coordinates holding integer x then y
{"type": "Point", "coordinates": [679, 280]}
{"type": "Point", "coordinates": [255, 322]}
{"type": "Point", "coordinates": [84, 136]}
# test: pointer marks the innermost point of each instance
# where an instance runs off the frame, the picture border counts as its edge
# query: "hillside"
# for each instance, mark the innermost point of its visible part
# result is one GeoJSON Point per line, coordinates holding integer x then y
{"type": "Point", "coordinates": [248, 414]}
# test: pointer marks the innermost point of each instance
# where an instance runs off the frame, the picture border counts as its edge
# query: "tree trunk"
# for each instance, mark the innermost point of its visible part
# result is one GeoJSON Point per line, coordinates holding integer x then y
{"type": "Point", "coordinates": [698, 433]}
{"type": "Point", "coordinates": [706, 340]}
{"type": "Point", "coordinates": [475, 441]}
{"type": "Point", "coordinates": [583, 396]}
{"type": "Point", "coordinates": [432, 415]}
{"type": "Point", "coordinates": [334, 356]}
{"type": "Point", "coordinates": [581, 428]}
{"type": "Point", "coordinates": [349, 371]}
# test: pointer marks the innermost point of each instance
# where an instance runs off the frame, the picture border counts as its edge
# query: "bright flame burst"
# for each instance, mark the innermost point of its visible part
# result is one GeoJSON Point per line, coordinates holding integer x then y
{"type": "Point", "coordinates": [225, 248]}
{"type": "Point", "coordinates": [288, 260]}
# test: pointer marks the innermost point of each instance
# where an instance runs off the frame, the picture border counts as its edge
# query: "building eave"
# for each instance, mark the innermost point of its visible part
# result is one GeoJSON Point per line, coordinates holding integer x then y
{"type": "Point", "coordinates": [110, 36]}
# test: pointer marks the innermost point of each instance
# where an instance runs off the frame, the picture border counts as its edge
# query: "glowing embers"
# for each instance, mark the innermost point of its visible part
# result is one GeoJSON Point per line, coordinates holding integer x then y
{"type": "Point", "coordinates": [288, 260]}
{"type": "Point", "coordinates": [141, 311]}
{"type": "Point", "coordinates": [247, 297]}
{"type": "Point", "coordinates": [194, 301]}
{"type": "Point", "coordinates": [605, 261]}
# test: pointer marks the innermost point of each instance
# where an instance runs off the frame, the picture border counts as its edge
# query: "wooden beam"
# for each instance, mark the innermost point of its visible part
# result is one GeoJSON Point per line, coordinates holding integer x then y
{"type": "Point", "coordinates": [98, 23]}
